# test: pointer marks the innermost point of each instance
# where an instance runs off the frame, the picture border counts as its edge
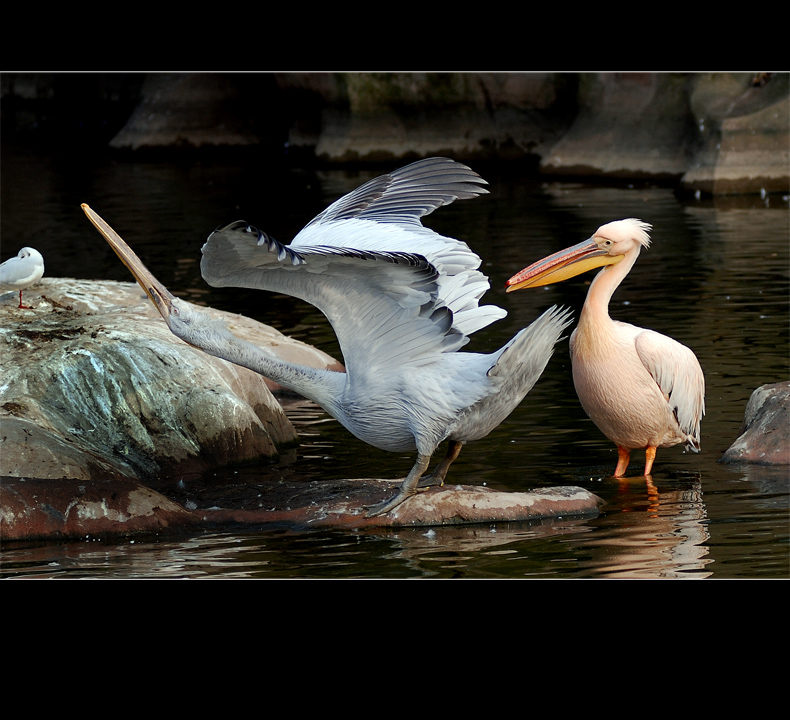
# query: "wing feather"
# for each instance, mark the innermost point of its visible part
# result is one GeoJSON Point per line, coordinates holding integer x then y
{"type": "Point", "coordinates": [390, 287]}
{"type": "Point", "coordinates": [379, 305]}
{"type": "Point", "coordinates": [405, 195]}
{"type": "Point", "coordinates": [678, 374]}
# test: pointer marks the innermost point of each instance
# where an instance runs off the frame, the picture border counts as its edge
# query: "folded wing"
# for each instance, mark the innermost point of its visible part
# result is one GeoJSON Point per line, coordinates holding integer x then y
{"type": "Point", "coordinates": [678, 374]}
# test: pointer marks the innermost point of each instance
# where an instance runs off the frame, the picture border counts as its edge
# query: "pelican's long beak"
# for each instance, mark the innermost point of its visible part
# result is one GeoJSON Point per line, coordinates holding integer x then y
{"type": "Point", "coordinates": [159, 294]}
{"type": "Point", "coordinates": [562, 265]}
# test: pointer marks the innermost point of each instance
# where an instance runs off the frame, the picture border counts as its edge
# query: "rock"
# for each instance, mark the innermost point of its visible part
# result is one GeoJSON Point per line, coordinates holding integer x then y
{"type": "Point", "coordinates": [745, 128]}
{"type": "Point", "coordinates": [765, 433]}
{"type": "Point", "coordinates": [96, 386]}
{"type": "Point", "coordinates": [462, 504]}
{"type": "Point", "coordinates": [342, 504]}
{"type": "Point", "coordinates": [71, 509]}
{"type": "Point", "coordinates": [629, 126]}
{"type": "Point", "coordinates": [375, 117]}
{"type": "Point", "coordinates": [713, 133]}
{"type": "Point", "coordinates": [32, 509]}
{"type": "Point", "coordinates": [183, 110]}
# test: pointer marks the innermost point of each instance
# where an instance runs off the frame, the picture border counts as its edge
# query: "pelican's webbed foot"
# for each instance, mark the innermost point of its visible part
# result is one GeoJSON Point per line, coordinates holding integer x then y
{"type": "Point", "coordinates": [408, 488]}
{"type": "Point", "coordinates": [384, 507]}
{"type": "Point", "coordinates": [415, 482]}
{"type": "Point", "coordinates": [432, 480]}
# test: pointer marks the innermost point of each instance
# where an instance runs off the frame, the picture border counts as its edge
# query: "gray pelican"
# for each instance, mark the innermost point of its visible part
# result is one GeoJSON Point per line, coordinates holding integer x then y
{"type": "Point", "coordinates": [642, 389]}
{"type": "Point", "coordinates": [402, 300]}
{"type": "Point", "coordinates": [22, 271]}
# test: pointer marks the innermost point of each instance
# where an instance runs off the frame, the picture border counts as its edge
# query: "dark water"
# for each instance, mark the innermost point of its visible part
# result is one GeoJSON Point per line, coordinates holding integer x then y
{"type": "Point", "coordinates": [716, 279]}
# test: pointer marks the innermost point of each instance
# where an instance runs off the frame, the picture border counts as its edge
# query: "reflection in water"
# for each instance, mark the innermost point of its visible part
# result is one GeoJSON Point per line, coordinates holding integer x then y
{"type": "Point", "coordinates": [698, 283]}
{"type": "Point", "coordinates": [663, 535]}
{"type": "Point", "coordinates": [640, 534]}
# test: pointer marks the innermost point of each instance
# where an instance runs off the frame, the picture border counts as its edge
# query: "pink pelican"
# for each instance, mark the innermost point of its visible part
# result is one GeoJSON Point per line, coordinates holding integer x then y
{"type": "Point", "coordinates": [642, 389]}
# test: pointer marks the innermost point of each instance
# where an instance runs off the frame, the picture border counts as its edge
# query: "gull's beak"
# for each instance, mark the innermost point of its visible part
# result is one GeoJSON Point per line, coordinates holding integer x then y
{"type": "Point", "coordinates": [159, 294]}
{"type": "Point", "coordinates": [562, 265]}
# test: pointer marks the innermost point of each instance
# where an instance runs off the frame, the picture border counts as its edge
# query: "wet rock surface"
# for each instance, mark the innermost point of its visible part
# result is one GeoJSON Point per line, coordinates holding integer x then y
{"type": "Point", "coordinates": [94, 384]}
{"type": "Point", "coordinates": [69, 509]}
{"type": "Point", "coordinates": [765, 434]}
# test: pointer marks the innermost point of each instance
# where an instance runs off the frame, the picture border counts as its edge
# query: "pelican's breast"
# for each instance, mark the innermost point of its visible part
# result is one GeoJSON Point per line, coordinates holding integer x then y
{"type": "Point", "coordinates": [614, 387]}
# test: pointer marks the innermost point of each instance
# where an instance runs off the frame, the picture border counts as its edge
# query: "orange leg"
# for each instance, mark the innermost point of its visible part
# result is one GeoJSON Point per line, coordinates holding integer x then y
{"type": "Point", "coordinates": [623, 456]}
{"type": "Point", "coordinates": [650, 456]}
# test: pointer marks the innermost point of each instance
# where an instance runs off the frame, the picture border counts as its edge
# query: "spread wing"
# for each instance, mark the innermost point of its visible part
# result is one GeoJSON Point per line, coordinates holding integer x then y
{"type": "Point", "coordinates": [393, 290]}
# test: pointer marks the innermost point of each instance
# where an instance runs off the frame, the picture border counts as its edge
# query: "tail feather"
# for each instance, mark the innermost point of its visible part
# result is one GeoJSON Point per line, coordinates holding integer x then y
{"type": "Point", "coordinates": [533, 346]}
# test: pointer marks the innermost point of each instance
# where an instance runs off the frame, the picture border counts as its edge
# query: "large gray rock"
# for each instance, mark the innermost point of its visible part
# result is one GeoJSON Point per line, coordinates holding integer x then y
{"type": "Point", "coordinates": [95, 385]}
{"type": "Point", "coordinates": [468, 116]}
{"type": "Point", "coordinates": [629, 125]}
{"type": "Point", "coordinates": [187, 110]}
{"type": "Point", "coordinates": [714, 133]}
{"type": "Point", "coordinates": [744, 124]}
{"type": "Point", "coordinates": [765, 433]}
